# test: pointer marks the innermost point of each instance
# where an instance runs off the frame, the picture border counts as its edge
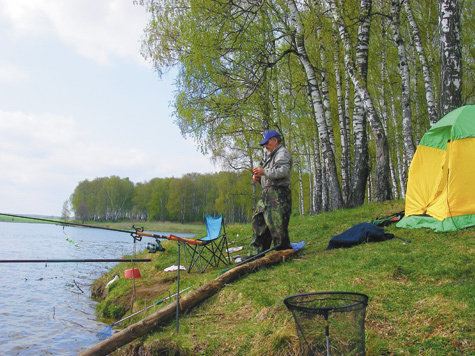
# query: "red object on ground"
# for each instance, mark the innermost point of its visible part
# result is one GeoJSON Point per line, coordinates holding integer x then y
{"type": "Point", "coordinates": [132, 273]}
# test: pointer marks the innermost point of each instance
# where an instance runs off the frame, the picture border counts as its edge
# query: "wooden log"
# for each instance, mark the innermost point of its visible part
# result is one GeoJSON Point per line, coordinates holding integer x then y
{"type": "Point", "coordinates": [166, 314]}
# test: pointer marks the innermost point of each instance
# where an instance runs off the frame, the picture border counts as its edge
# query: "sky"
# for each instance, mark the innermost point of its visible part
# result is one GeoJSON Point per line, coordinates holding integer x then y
{"type": "Point", "coordinates": [78, 101]}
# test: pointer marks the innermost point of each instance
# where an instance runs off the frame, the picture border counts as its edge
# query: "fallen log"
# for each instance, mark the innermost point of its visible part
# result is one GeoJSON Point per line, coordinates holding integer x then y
{"type": "Point", "coordinates": [166, 314]}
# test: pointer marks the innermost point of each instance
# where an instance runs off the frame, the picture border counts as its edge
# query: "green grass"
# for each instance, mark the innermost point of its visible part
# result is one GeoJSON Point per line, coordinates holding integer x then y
{"type": "Point", "coordinates": [421, 294]}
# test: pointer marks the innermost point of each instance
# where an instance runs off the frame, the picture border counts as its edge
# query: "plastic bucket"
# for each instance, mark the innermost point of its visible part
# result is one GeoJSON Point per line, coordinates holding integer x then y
{"type": "Point", "coordinates": [132, 273]}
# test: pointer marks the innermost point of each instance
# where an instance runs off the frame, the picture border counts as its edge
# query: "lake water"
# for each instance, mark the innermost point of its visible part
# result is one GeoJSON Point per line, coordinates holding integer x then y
{"type": "Point", "coordinates": [45, 309]}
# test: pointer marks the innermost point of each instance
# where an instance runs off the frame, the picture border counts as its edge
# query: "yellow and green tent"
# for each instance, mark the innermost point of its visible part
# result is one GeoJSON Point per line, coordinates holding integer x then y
{"type": "Point", "coordinates": [441, 183]}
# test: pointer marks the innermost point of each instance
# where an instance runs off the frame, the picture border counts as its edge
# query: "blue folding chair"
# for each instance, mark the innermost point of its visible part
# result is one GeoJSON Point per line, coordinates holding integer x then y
{"type": "Point", "coordinates": [211, 249]}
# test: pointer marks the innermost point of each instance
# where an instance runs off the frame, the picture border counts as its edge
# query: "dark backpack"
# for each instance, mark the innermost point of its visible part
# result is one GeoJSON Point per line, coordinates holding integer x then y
{"type": "Point", "coordinates": [358, 234]}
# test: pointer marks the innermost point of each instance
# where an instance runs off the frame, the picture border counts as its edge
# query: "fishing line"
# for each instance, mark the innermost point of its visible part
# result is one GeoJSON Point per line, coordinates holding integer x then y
{"type": "Point", "coordinates": [69, 239]}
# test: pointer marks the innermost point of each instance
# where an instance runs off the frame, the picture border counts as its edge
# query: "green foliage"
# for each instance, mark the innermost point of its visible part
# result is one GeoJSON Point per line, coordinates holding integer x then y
{"type": "Point", "coordinates": [186, 199]}
{"type": "Point", "coordinates": [103, 198]}
{"type": "Point", "coordinates": [240, 73]}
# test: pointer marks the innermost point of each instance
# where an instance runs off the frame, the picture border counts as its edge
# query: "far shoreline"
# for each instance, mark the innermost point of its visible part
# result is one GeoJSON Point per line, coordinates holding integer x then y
{"type": "Point", "coordinates": [161, 226]}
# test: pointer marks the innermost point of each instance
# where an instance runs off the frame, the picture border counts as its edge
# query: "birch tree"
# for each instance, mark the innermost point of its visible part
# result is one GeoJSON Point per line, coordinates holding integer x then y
{"type": "Point", "coordinates": [404, 70]}
{"type": "Point", "coordinates": [344, 123]}
{"type": "Point", "coordinates": [426, 72]}
{"type": "Point", "coordinates": [450, 57]}
{"type": "Point", "coordinates": [243, 67]}
{"type": "Point", "coordinates": [361, 170]}
{"type": "Point", "coordinates": [381, 175]}
{"type": "Point", "coordinates": [335, 197]}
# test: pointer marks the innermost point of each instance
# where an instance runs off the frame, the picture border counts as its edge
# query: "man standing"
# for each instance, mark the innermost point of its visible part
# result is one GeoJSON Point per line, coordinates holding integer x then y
{"type": "Point", "coordinates": [272, 215]}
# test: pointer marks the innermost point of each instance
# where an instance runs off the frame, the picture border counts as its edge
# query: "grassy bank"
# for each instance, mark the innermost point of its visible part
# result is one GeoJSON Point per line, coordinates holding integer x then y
{"type": "Point", "coordinates": [421, 294]}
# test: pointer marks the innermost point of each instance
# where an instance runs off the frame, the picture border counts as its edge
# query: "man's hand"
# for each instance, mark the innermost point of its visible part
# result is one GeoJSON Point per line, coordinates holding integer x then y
{"type": "Point", "coordinates": [258, 172]}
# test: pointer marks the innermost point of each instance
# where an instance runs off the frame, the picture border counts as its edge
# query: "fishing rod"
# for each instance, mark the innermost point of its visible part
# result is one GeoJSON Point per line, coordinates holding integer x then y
{"type": "Point", "coordinates": [80, 260]}
{"type": "Point", "coordinates": [67, 223]}
{"type": "Point", "coordinates": [107, 332]}
{"type": "Point", "coordinates": [250, 259]}
{"type": "Point", "coordinates": [137, 234]}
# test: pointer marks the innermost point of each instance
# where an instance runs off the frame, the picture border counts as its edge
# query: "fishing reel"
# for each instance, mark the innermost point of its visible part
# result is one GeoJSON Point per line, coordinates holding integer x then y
{"type": "Point", "coordinates": [154, 247]}
{"type": "Point", "coordinates": [136, 236]}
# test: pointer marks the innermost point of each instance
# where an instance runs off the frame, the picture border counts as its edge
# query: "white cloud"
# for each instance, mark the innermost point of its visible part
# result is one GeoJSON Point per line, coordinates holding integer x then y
{"type": "Point", "coordinates": [88, 133]}
{"type": "Point", "coordinates": [44, 156]}
{"type": "Point", "coordinates": [52, 148]}
{"type": "Point", "coordinates": [97, 30]}
{"type": "Point", "coordinates": [11, 73]}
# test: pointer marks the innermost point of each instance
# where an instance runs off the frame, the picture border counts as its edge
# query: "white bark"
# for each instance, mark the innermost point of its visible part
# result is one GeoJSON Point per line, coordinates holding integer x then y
{"type": "Point", "coordinates": [450, 96]}
{"type": "Point", "coordinates": [336, 200]}
{"type": "Point", "coordinates": [404, 72]}
{"type": "Point", "coordinates": [301, 200]}
{"type": "Point", "coordinates": [431, 107]}
{"type": "Point", "coordinates": [381, 174]}
{"type": "Point", "coordinates": [344, 131]}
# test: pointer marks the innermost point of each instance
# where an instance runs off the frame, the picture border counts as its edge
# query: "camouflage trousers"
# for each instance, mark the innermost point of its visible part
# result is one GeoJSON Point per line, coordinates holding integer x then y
{"type": "Point", "coordinates": [270, 222]}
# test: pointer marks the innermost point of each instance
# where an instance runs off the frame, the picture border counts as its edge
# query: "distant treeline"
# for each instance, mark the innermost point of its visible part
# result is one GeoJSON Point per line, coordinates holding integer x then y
{"type": "Point", "coordinates": [186, 199]}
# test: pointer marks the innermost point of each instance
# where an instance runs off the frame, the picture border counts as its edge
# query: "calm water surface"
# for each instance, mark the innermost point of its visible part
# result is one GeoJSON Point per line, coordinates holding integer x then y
{"type": "Point", "coordinates": [45, 309]}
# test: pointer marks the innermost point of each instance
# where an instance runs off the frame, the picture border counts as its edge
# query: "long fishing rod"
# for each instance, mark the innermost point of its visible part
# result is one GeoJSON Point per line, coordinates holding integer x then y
{"type": "Point", "coordinates": [60, 222]}
{"type": "Point", "coordinates": [136, 234]}
{"type": "Point", "coordinates": [250, 259]}
{"type": "Point", "coordinates": [80, 260]}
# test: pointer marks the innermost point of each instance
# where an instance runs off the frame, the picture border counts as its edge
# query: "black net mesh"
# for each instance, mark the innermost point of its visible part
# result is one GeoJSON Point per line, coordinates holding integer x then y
{"type": "Point", "coordinates": [330, 323]}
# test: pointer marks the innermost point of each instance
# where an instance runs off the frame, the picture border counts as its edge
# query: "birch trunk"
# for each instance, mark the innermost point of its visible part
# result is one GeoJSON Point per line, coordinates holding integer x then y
{"type": "Point", "coordinates": [325, 94]}
{"type": "Point", "coordinates": [401, 168]}
{"type": "Point", "coordinates": [301, 200]}
{"type": "Point", "coordinates": [348, 121]}
{"type": "Point", "coordinates": [450, 96]}
{"type": "Point", "coordinates": [386, 106]}
{"type": "Point", "coordinates": [405, 84]}
{"type": "Point", "coordinates": [360, 172]}
{"type": "Point", "coordinates": [335, 198]}
{"type": "Point", "coordinates": [344, 134]}
{"type": "Point", "coordinates": [382, 189]}
{"type": "Point", "coordinates": [317, 178]}
{"type": "Point", "coordinates": [426, 73]}
{"type": "Point", "coordinates": [360, 167]}
{"type": "Point", "coordinates": [311, 190]}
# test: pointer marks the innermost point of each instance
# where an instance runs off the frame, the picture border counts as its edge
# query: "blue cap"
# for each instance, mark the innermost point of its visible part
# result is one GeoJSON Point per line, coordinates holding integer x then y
{"type": "Point", "coordinates": [268, 135]}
